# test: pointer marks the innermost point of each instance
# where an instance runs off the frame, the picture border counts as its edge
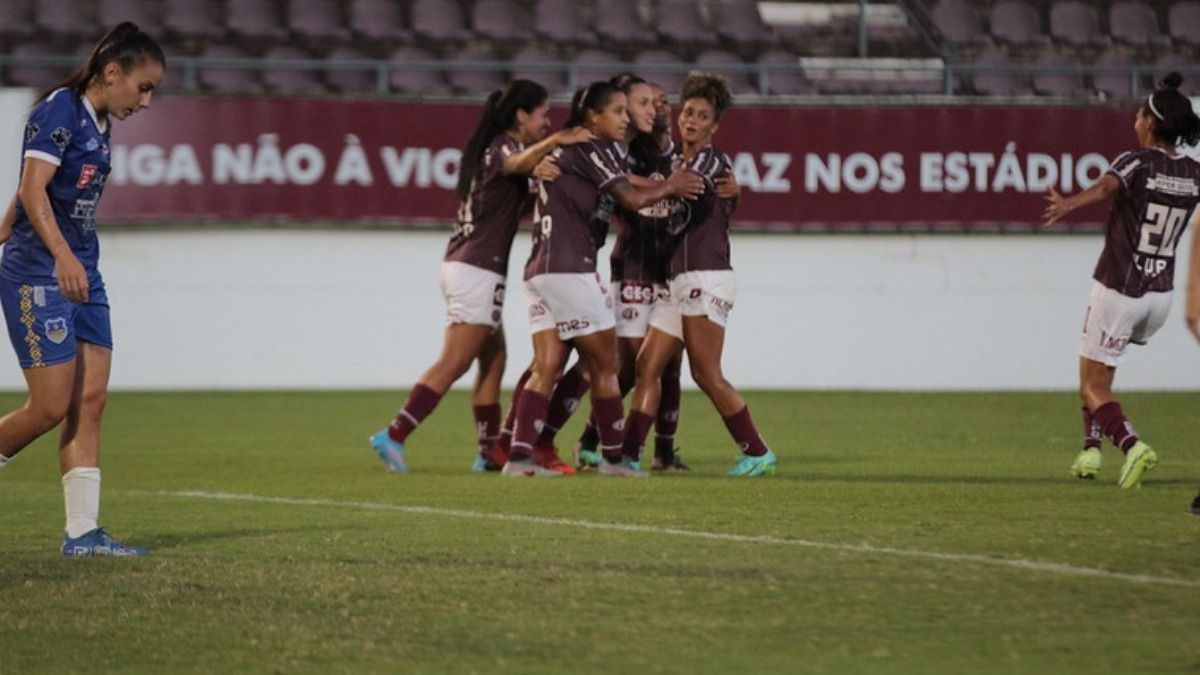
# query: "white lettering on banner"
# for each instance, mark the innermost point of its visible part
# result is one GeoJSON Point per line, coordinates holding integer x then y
{"type": "Point", "coordinates": [771, 179]}
{"type": "Point", "coordinates": [353, 166]}
{"type": "Point", "coordinates": [232, 164]}
{"type": "Point", "coordinates": [958, 172]}
{"type": "Point", "coordinates": [421, 167]}
{"type": "Point", "coordinates": [859, 173]}
{"type": "Point", "coordinates": [148, 164]}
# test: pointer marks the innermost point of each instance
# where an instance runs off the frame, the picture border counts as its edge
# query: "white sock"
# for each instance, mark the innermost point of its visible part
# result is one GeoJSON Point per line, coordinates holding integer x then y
{"type": "Point", "coordinates": [3, 461]}
{"type": "Point", "coordinates": [81, 492]}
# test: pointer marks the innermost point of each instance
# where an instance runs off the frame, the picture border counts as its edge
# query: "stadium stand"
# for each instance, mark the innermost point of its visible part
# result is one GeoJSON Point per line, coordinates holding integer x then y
{"type": "Point", "coordinates": [1072, 49]}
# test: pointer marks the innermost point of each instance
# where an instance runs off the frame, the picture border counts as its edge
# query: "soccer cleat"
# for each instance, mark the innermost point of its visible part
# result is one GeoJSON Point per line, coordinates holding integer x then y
{"type": "Point", "coordinates": [626, 468]}
{"type": "Point", "coordinates": [1087, 464]}
{"type": "Point", "coordinates": [546, 456]}
{"type": "Point", "coordinates": [498, 457]}
{"type": "Point", "coordinates": [390, 452]}
{"type": "Point", "coordinates": [669, 463]}
{"type": "Point", "coordinates": [587, 459]}
{"type": "Point", "coordinates": [751, 465]}
{"type": "Point", "coordinates": [480, 465]}
{"type": "Point", "coordinates": [1195, 507]}
{"type": "Point", "coordinates": [97, 543]}
{"type": "Point", "coordinates": [527, 467]}
{"type": "Point", "coordinates": [1140, 459]}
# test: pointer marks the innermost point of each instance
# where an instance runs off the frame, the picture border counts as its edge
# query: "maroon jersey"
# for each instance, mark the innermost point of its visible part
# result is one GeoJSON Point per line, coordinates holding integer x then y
{"type": "Point", "coordinates": [636, 254]}
{"type": "Point", "coordinates": [568, 230]}
{"type": "Point", "coordinates": [487, 220]}
{"type": "Point", "coordinates": [700, 228]}
{"type": "Point", "coordinates": [1153, 207]}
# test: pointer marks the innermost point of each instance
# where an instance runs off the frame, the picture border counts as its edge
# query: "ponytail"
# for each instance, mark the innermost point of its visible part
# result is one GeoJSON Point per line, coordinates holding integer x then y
{"type": "Point", "coordinates": [499, 115]}
{"type": "Point", "coordinates": [125, 45]}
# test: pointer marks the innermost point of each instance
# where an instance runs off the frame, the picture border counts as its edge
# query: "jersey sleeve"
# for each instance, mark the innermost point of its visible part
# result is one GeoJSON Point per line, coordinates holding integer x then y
{"type": "Point", "coordinates": [1124, 167]}
{"type": "Point", "coordinates": [49, 128]}
{"type": "Point", "coordinates": [598, 165]}
{"type": "Point", "coordinates": [708, 164]}
{"type": "Point", "coordinates": [505, 148]}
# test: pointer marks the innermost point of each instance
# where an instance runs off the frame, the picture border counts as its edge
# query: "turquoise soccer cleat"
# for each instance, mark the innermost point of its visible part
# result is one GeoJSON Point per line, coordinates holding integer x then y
{"type": "Point", "coordinates": [390, 452]}
{"type": "Point", "coordinates": [750, 465]}
{"type": "Point", "coordinates": [1140, 459]}
{"type": "Point", "coordinates": [1087, 464]}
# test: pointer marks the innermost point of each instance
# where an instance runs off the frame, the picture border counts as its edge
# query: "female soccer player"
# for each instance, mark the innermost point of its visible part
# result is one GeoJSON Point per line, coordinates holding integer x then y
{"type": "Point", "coordinates": [569, 307]}
{"type": "Point", "coordinates": [1155, 191]}
{"type": "Point", "coordinates": [50, 284]}
{"type": "Point", "coordinates": [702, 290]}
{"type": "Point", "coordinates": [1192, 315]}
{"type": "Point", "coordinates": [494, 192]}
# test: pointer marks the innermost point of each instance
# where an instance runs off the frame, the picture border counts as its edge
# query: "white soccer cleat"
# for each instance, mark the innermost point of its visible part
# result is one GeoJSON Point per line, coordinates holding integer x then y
{"type": "Point", "coordinates": [527, 467]}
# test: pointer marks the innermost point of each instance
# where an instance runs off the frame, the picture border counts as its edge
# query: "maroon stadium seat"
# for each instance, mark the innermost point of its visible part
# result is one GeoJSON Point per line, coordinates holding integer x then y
{"type": "Point", "coordinates": [680, 22]}
{"type": "Point", "coordinates": [1174, 61]}
{"type": "Point", "coordinates": [38, 77]}
{"type": "Point", "coordinates": [1184, 21]}
{"type": "Point", "coordinates": [438, 21]}
{"type": "Point", "coordinates": [670, 81]}
{"type": "Point", "coordinates": [619, 22]}
{"type": "Point", "coordinates": [1134, 23]}
{"type": "Point", "coordinates": [290, 81]}
{"type": "Point", "coordinates": [1076, 23]}
{"type": "Point", "coordinates": [112, 12]}
{"type": "Point", "coordinates": [791, 82]}
{"type": "Point", "coordinates": [196, 19]}
{"type": "Point", "coordinates": [599, 65]}
{"type": "Point", "coordinates": [350, 81]}
{"type": "Point", "coordinates": [1114, 85]}
{"type": "Point", "coordinates": [717, 62]}
{"type": "Point", "coordinates": [999, 83]}
{"type": "Point", "coordinates": [499, 20]}
{"type": "Point", "coordinates": [555, 81]}
{"type": "Point", "coordinates": [416, 81]}
{"type": "Point", "coordinates": [378, 20]}
{"type": "Point", "coordinates": [70, 19]}
{"type": "Point", "coordinates": [16, 18]}
{"type": "Point", "coordinates": [254, 19]}
{"type": "Point", "coordinates": [959, 22]}
{"type": "Point", "coordinates": [475, 81]}
{"type": "Point", "coordinates": [1064, 84]}
{"type": "Point", "coordinates": [740, 22]}
{"type": "Point", "coordinates": [1017, 22]}
{"type": "Point", "coordinates": [227, 80]}
{"type": "Point", "coordinates": [316, 19]}
{"type": "Point", "coordinates": [561, 22]}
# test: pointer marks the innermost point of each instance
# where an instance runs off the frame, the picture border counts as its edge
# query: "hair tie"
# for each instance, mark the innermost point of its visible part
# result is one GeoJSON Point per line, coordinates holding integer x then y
{"type": "Point", "coordinates": [583, 98]}
{"type": "Point", "coordinates": [1150, 103]}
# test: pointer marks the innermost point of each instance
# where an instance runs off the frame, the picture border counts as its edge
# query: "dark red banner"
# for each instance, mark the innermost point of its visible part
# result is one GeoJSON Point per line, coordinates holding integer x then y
{"type": "Point", "coordinates": [256, 159]}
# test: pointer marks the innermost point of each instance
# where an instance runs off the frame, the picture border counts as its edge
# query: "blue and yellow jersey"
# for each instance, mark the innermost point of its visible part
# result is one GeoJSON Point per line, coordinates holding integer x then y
{"type": "Point", "coordinates": [63, 130]}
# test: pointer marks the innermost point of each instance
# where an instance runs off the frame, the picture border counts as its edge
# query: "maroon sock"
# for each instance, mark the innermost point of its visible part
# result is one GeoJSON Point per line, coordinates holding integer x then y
{"type": "Point", "coordinates": [610, 424]}
{"type": "Point", "coordinates": [505, 440]}
{"type": "Point", "coordinates": [590, 438]}
{"type": "Point", "coordinates": [1093, 436]}
{"type": "Point", "coordinates": [667, 421]}
{"type": "Point", "coordinates": [421, 401]}
{"type": "Point", "coordinates": [741, 427]}
{"type": "Point", "coordinates": [1115, 426]}
{"type": "Point", "coordinates": [563, 403]}
{"type": "Point", "coordinates": [487, 426]}
{"type": "Point", "coordinates": [531, 415]}
{"type": "Point", "coordinates": [637, 426]}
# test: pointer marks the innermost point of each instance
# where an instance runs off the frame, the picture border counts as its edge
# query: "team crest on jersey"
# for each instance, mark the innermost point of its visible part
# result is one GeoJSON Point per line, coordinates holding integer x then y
{"type": "Point", "coordinates": [61, 137]}
{"type": "Point", "coordinates": [31, 131]}
{"type": "Point", "coordinates": [86, 174]}
{"type": "Point", "coordinates": [56, 330]}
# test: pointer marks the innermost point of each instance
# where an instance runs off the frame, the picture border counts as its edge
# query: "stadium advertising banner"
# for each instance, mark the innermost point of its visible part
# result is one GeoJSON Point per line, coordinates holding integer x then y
{"type": "Point", "coordinates": [254, 159]}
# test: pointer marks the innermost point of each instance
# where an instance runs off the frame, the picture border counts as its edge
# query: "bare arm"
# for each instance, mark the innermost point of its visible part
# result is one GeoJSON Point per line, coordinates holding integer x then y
{"type": "Point", "coordinates": [524, 162]}
{"type": "Point", "coordinates": [10, 217]}
{"type": "Point", "coordinates": [1060, 206]}
{"type": "Point", "coordinates": [1192, 311]}
{"type": "Point", "coordinates": [72, 278]}
{"type": "Point", "coordinates": [681, 183]}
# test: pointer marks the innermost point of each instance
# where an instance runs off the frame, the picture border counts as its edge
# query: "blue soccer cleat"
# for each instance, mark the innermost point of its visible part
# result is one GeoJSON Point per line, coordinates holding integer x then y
{"type": "Point", "coordinates": [750, 465]}
{"type": "Point", "coordinates": [390, 452]}
{"type": "Point", "coordinates": [480, 465]}
{"type": "Point", "coordinates": [97, 543]}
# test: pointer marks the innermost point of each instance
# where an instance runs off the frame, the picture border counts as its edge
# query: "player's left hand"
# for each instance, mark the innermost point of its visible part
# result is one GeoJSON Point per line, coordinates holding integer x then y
{"type": "Point", "coordinates": [1193, 324]}
{"type": "Point", "coordinates": [547, 169]}
{"type": "Point", "coordinates": [1056, 207]}
{"type": "Point", "coordinates": [727, 186]}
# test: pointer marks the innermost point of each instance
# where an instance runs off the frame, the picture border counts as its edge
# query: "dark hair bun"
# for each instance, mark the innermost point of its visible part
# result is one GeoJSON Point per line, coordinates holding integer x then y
{"type": "Point", "coordinates": [1173, 80]}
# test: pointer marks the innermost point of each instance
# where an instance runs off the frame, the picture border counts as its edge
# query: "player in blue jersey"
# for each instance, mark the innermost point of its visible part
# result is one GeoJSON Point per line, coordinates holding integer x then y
{"type": "Point", "coordinates": [50, 284]}
{"type": "Point", "coordinates": [1155, 192]}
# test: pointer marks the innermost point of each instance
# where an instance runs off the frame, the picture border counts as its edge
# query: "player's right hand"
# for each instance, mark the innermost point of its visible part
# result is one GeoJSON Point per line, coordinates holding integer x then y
{"type": "Point", "coordinates": [686, 184]}
{"type": "Point", "coordinates": [547, 169]}
{"type": "Point", "coordinates": [72, 278]}
{"type": "Point", "coordinates": [575, 135]}
{"type": "Point", "coordinates": [1056, 207]}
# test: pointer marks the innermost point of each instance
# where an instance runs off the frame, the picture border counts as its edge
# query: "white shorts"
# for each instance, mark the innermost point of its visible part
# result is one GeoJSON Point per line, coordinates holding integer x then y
{"type": "Point", "coordinates": [573, 304]}
{"type": "Point", "coordinates": [1114, 320]}
{"type": "Point", "coordinates": [635, 304]}
{"type": "Point", "coordinates": [707, 293]}
{"type": "Point", "coordinates": [473, 295]}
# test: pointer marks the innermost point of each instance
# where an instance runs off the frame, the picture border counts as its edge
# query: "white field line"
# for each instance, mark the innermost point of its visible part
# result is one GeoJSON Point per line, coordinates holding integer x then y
{"type": "Point", "coordinates": [1062, 569]}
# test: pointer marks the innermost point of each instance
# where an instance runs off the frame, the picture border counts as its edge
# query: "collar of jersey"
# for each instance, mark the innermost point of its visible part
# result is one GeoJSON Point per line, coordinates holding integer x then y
{"type": "Point", "coordinates": [92, 113]}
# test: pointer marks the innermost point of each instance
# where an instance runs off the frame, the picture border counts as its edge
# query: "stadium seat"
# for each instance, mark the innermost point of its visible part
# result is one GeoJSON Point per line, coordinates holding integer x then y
{"type": "Point", "coordinates": [597, 64]}
{"type": "Point", "coordinates": [227, 80]}
{"type": "Point", "coordinates": [439, 21]}
{"type": "Point", "coordinates": [68, 19]}
{"type": "Point", "coordinates": [475, 80]}
{"type": "Point", "coordinates": [254, 20]}
{"type": "Point", "coordinates": [555, 81]}
{"type": "Point", "coordinates": [378, 20]}
{"type": "Point", "coordinates": [671, 81]}
{"type": "Point", "coordinates": [679, 22]}
{"type": "Point", "coordinates": [316, 20]}
{"type": "Point", "coordinates": [1064, 84]}
{"type": "Point", "coordinates": [350, 81]}
{"type": "Point", "coordinates": [289, 80]}
{"type": "Point", "coordinates": [718, 62]}
{"type": "Point", "coordinates": [561, 22]}
{"type": "Point", "coordinates": [112, 12]}
{"type": "Point", "coordinates": [38, 77]}
{"type": "Point", "coordinates": [791, 82]}
{"type": "Point", "coordinates": [16, 18]}
{"type": "Point", "coordinates": [740, 23]}
{"type": "Point", "coordinates": [1077, 24]}
{"type": "Point", "coordinates": [1113, 85]}
{"type": "Point", "coordinates": [1173, 61]}
{"type": "Point", "coordinates": [1016, 22]}
{"type": "Point", "coordinates": [416, 81]}
{"type": "Point", "coordinates": [1184, 21]}
{"type": "Point", "coordinates": [499, 20]}
{"type": "Point", "coordinates": [999, 83]}
{"type": "Point", "coordinates": [1134, 23]}
{"type": "Point", "coordinates": [618, 22]}
{"type": "Point", "coordinates": [959, 23]}
{"type": "Point", "coordinates": [192, 19]}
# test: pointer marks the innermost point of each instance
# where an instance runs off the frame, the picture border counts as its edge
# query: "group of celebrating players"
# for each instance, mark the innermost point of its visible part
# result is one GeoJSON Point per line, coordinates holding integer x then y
{"type": "Point", "coordinates": [672, 288]}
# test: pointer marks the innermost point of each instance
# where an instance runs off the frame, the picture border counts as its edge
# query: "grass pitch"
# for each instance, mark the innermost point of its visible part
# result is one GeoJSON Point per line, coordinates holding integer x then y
{"type": "Point", "coordinates": [956, 543]}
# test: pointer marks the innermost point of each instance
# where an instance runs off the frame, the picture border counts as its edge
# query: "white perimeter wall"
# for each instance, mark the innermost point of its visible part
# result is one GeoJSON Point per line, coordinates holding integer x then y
{"type": "Point", "coordinates": [362, 309]}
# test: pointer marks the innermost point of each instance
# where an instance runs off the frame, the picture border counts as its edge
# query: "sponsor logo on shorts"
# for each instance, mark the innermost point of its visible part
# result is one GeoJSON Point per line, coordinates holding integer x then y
{"type": "Point", "coordinates": [637, 293]}
{"type": "Point", "coordinates": [572, 325]}
{"type": "Point", "coordinates": [39, 296]}
{"type": "Point", "coordinates": [722, 306]}
{"type": "Point", "coordinates": [498, 295]}
{"type": "Point", "coordinates": [1113, 343]}
{"type": "Point", "coordinates": [695, 294]}
{"type": "Point", "coordinates": [537, 310]}
{"type": "Point", "coordinates": [496, 315]}
{"type": "Point", "coordinates": [629, 313]}
{"type": "Point", "coordinates": [56, 330]}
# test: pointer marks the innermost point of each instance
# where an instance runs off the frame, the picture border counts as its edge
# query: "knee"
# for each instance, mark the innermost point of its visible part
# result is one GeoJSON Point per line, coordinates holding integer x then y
{"type": "Point", "coordinates": [707, 378]}
{"type": "Point", "coordinates": [94, 401]}
{"type": "Point", "coordinates": [45, 415]}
